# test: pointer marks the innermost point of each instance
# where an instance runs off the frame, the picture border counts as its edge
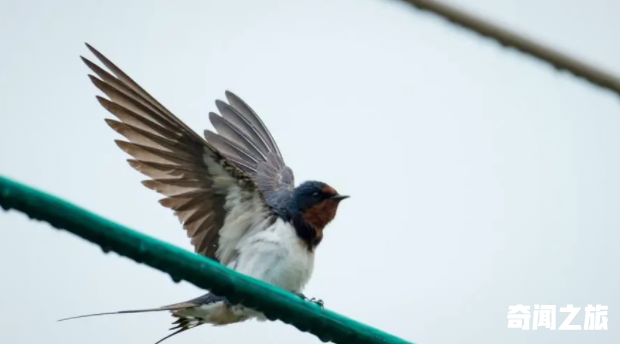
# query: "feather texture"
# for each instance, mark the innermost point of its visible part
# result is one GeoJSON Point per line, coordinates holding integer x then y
{"type": "Point", "coordinates": [212, 193]}
{"type": "Point", "coordinates": [245, 140]}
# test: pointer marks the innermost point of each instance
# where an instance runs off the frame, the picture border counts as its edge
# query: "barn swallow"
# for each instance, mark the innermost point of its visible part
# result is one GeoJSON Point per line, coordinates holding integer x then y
{"type": "Point", "coordinates": [230, 189]}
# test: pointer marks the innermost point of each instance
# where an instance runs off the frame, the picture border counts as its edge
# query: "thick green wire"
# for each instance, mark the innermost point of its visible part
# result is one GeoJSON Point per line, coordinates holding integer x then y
{"type": "Point", "coordinates": [180, 264]}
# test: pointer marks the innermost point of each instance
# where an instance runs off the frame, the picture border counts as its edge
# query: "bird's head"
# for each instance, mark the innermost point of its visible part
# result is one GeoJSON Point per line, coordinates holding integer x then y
{"type": "Point", "coordinates": [316, 202]}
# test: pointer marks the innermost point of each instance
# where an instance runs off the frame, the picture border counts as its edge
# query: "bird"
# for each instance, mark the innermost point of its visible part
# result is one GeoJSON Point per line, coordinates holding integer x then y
{"type": "Point", "coordinates": [230, 189]}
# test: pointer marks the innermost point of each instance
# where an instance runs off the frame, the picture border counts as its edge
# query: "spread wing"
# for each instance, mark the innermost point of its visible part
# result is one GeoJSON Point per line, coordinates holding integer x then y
{"type": "Point", "coordinates": [245, 141]}
{"type": "Point", "coordinates": [216, 201]}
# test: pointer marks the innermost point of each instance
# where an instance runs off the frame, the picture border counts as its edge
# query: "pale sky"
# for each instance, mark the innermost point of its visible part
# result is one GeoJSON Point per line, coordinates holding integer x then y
{"type": "Point", "coordinates": [480, 178]}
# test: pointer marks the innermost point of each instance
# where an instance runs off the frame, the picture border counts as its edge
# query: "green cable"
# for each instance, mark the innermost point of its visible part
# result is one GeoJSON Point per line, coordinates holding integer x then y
{"type": "Point", "coordinates": [180, 264]}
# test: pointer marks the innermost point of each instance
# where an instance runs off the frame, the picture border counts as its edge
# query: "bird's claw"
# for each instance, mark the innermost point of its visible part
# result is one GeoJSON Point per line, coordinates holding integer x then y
{"type": "Point", "coordinates": [316, 301]}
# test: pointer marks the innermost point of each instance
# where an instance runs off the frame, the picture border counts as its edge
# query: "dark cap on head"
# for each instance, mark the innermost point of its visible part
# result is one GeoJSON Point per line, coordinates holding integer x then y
{"type": "Point", "coordinates": [317, 202]}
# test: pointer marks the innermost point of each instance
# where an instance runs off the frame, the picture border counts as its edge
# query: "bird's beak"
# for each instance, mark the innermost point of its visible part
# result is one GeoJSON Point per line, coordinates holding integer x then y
{"type": "Point", "coordinates": [338, 198]}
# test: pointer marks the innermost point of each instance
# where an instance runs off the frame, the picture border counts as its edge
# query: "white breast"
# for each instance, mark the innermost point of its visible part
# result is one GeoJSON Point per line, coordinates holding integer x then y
{"type": "Point", "coordinates": [276, 256]}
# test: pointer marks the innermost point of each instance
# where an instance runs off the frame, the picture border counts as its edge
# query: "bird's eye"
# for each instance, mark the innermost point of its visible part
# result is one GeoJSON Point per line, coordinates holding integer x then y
{"type": "Point", "coordinates": [315, 194]}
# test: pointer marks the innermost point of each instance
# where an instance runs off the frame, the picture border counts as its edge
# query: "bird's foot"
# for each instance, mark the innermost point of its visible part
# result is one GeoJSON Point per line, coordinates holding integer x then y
{"type": "Point", "coordinates": [316, 301]}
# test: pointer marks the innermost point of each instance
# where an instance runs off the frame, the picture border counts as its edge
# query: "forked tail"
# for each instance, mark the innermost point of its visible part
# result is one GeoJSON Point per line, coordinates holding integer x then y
{"type": "Point", "coordinates": [159, 309]}
{"type": "Point", "coordinates": [183, 322]}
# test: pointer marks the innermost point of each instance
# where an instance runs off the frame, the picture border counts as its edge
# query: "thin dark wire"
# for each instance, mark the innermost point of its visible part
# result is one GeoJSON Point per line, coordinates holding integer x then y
{"type": "Point", "coordinates": [526, 45]}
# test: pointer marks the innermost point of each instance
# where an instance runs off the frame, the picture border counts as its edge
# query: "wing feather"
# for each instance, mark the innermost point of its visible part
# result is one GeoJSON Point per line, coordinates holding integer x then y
{"type": "Point", "coordinates": [253, 118]}
{"type": "Point", "coordinates": [230, 148]}
{"type": "Point", "coordinates": [244, 140]}
{"type": "Point", "coordinates": [232, 133]}
{"type": "Point", "coordinates": [233, 116]}
{"type": "Point", "coordinates": [214, 197]}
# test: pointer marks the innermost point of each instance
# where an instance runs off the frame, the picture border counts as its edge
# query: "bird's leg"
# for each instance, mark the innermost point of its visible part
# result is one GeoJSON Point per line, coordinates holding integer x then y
{"type": "Point", "coordinates": [318, 302]}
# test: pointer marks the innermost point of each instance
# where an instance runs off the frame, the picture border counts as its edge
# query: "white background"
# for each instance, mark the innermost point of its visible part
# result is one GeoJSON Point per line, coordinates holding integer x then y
{"type": "Point", "coordinates": [480, 177]}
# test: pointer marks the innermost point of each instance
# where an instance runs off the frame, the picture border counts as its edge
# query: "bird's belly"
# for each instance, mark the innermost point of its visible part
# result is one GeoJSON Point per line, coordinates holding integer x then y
{"type": "Point", "coordinates": [276, 256]}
